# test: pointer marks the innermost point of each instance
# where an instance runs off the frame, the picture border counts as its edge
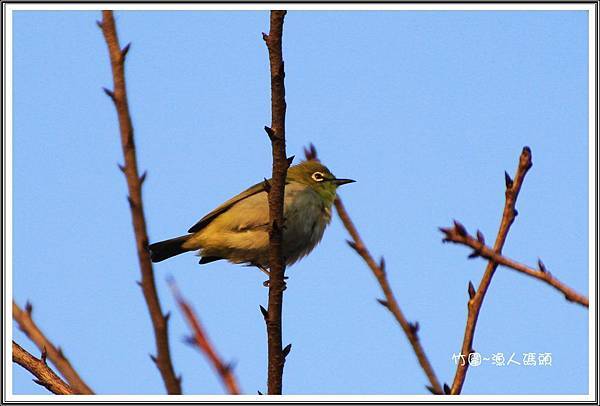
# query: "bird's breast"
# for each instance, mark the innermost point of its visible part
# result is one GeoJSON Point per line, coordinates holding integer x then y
{"type": "Point", "coordinates": [306, 217]}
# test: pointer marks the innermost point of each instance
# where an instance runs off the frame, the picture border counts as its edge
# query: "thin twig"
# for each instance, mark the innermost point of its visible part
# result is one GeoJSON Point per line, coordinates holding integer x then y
{"type": "Point", "coordinates": [134, 185]}
{"type": "Point", "coordinates": [44, 375]}
{"type": "Point", "coordinates": [54, 354]}
{"type": "Point", "coordinates": [457, 235]}
{"type": "Point", "coordinates": [474, 305]}
{"type": "Point", "coordinates": [276, 133]}
{"type": "Point", "coordinates": [410, 329]}
{"type": "Point", "coordinates": [200, 339]}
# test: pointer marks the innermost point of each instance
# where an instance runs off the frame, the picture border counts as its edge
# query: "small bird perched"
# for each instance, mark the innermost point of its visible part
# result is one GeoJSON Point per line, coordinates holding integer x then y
{"type": "Point", "coordinates": [238, 230]}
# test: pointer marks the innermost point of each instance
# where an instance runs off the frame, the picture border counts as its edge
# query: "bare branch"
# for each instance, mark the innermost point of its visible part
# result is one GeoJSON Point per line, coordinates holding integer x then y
{"type": "Point", "coordinates": [200, 339]}
{"type": "Point", "coordinates": [45, 376]}
{"type": "Point", "coordinates": [480, 249]}
{"type": "Point", "coordinates": [276, 192]}
{"type": "Point", "coordinates": [134, 185]}
{"type": "Point", "coordinates": [410, 329]}
{"type": "Point", "coordinates": [49, 350]}
{"type": "Point", "coordinates": [508, 216]}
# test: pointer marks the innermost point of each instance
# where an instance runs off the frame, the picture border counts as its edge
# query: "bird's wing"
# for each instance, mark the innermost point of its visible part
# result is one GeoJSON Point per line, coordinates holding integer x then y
{"type": "Point", "coordinates": [204, 221]}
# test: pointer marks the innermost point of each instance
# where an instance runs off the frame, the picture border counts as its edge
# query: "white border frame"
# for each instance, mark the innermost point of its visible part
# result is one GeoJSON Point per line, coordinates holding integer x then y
{"type": "Point", "coordinates": [593, 108]}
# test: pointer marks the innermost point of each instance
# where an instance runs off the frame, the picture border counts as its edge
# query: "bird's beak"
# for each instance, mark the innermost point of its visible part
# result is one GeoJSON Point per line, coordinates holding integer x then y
{"type": "Point", "coordinates": [340, 182]}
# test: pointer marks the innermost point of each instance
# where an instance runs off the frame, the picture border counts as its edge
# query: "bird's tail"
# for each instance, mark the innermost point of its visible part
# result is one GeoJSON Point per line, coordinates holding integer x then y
{"type": "Point", "coordinates": [159, 251]}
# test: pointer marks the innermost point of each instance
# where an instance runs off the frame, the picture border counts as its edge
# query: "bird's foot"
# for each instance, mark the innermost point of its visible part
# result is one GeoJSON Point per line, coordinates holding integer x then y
{"type": "Point", "coordinates": [266, 283]}
{"type": "Point", "coordinates": [264, 269]}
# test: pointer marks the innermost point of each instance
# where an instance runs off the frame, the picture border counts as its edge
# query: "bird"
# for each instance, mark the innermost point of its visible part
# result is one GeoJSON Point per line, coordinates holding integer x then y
{"type": "Point", "coordinates": [238, 230]}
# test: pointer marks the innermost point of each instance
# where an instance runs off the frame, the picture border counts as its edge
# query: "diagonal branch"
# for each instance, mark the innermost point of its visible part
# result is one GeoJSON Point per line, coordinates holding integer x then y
{"type": "Point", "coordinates": [410, 329]}
{"type": "Point", "coordinates": [201, 340]}
{"type": "Point", "coordinates": [54, 354]}
{"type": "Point", "coordinates": [276, 133]}
{"type": "Point", "coordinates": [44, 375]}
{"type": "Point", "coordinates": [476, 298]}
{"type": "Point", "coordinates": [458, 235]}
{"type": "Point", "coordinates": [134, 185]}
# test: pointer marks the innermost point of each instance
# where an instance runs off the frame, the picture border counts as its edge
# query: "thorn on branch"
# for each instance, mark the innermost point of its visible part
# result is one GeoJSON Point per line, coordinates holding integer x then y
{"type": "Point", "coordinates": [130, 200]}
{"type": "Point", "coordinates": [267, 185]}
{"type": "Point", "coordinates": [270, 133]}
{"type": "Point", "coordinates": [125, 50]}
{"type": "Point", "coordinates": [290, 160]}
{"type": "Point", "coordinates": [259, 392]}
{"type": "Point", "coordinates": [480, 237]}
{"type": "Point", "coordinates": [447, 390]}
{"type": "Point", "coordinates": [382, 264]}
{"type": "Point", "coordinates": [473, 254]}
{"type": "Point", "coordinates": [414, 327]}
{"type": "Point", "coordinates": [121, 167]}
{"type": "Point", "coordinates": [153, 358]}
{"type": "Point", "coordinates": [471, 290]}
{"type": "Point", "coordinates": [143, 177]}
{"type": "Point", "coordinates": [352, 245]}
{"type": "Point", "coordinates": [109, 93]}
{"type": "Point", "coordinates": [139, 284]}
{"type": "Point", "coordinates": [229, 366]}
{"type": "Point", "coordinates": [430, 389]}
{"type": "Point", "coordinates": [286, 350]}
{"type": "Point", "coordinates": [28, 308]}
{"type": "Point", "coordinates": [446, 232]}
{"type": "Point", "coordinates": [167, 316]}
{"type": "Point", "coordinates": [508, 180]}
{"type": "Point", "coordinates": [460, 229]}
{"type": "Point", "coordinates": [542, 266]}
{"type": "Point", "coordinates": [384, 303]}
{"type": "Point", "coordinates": [44, 354]}
{"type": "Point", "coordinates": [264, 312]}
{"type": "Point", "coordinates": [60, 352]}
{"type": "Point", "coordinates": [190, 340]}
{"type": "Point", "coordinates": [515, 212]}
{"type": "Point", "coordinates": [526, 154]}
{"type": "Point", "coordinates": [265, 37]}
{"type": "Point", "coordinates": [99, 24]}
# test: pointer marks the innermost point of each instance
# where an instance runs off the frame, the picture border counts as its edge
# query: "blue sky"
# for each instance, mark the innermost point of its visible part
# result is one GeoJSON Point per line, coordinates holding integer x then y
{"type": "Point", "coordinates": [425, 109]}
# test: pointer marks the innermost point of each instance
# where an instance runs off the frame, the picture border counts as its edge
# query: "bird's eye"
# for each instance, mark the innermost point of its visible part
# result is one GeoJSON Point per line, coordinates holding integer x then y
{"type": "Point", "coordinates": [318, 177]}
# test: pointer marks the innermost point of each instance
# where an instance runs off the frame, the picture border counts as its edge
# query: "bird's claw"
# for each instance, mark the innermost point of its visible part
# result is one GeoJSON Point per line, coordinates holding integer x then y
{"type": "Point", "coordinates": [266, 283]}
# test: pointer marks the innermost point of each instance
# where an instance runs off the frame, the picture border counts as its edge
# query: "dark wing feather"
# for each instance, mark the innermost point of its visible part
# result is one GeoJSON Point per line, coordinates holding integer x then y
{"type": "Point", "coordinates": [204, 221]}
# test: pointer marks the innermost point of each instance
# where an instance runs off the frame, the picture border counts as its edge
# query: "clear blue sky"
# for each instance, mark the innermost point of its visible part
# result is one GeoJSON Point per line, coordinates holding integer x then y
{"type": "Point", "coordinates": [424, 109]}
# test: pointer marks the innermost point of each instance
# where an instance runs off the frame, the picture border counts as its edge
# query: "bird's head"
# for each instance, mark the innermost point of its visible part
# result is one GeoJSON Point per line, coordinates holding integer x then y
{"type": "Point", "coordinates": [316, 175]}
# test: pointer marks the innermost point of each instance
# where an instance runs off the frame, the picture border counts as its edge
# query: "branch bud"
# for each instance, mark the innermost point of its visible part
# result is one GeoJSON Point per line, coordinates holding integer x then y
{"type": "Point", "coordinates": [460, 229]}
{"type": "Point", "coordinates": [290, 160]}
{"type": "Point", "coordinates": [508, 180]}
{"type": "Point", "coordinates": [480, 237]}
{"type": "Point", "coordinates": [384, 303]}
{"type": "Point", "coordinates": [264, 312]}
{"type": "Point", "coordinates": [471, 290]}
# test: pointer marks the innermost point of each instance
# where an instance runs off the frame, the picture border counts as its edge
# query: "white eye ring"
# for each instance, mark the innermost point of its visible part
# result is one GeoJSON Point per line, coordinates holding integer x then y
{"type": "Point", "coordinates": [318, 177]}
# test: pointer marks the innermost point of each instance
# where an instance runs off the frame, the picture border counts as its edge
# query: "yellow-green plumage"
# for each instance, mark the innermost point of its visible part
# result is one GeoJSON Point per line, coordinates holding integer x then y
{"type": "Point", "coordinates": [238, 229]}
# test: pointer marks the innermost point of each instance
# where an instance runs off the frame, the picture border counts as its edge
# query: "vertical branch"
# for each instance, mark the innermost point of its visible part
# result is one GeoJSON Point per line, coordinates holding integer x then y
{"type": "Point", "coordinates": [54, 354]}
{"type": "Point", "coordinates": [476, 300]}
{"type": "Point", "coordinates": [44, 375]}
{"type": "Point", "coordinates": [200, 339]}
{"type": "Point", "coordinates": [134, 185]}
{"type": "Point", "coordinates": [276, 192]}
